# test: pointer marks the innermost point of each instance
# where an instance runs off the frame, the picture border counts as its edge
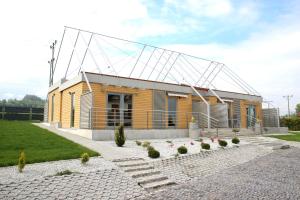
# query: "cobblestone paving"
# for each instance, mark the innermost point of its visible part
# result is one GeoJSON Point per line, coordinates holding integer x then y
{"type": "Point", "coordinates": [186, 168]}
{"type": "Point", "coordinates": [273, 176]}
{"type": "Point", "coordinates": [104, 184]}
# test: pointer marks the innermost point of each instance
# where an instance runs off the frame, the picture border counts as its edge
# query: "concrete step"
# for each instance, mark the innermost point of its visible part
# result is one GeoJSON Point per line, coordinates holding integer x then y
{"type": "Point", "coordinates": [137, 168]}
{"type": "Point", "coordinates": [123, 160]}
{"type": "Point", "coordinates": [151, 178]}
{"type": "Point", "coordinates": [157, 185]}
{"type": "Point", "coordinates": [132, 164]}
{"type": "Point", "coordinates": [138, 174]}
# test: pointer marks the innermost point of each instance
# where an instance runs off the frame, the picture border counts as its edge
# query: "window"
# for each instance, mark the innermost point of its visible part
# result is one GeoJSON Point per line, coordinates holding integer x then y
{"type": "Point", "coordinates": [72, 109]}
{"type": "Point", "coordinates": [52, 107]}
{"type": "Point", "coordinates": [119, 110]}
{"type": "Point", "coordinates": [172, 104]}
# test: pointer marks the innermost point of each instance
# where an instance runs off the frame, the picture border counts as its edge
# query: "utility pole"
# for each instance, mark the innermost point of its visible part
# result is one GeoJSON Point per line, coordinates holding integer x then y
{"type": "Point", "coordinates": [51, 63]}
{"type": "Point", "coordinates": [288, 97]}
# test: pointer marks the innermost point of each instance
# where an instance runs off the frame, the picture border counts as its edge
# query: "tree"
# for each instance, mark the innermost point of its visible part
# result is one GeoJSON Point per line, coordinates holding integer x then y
{"type": "Point", "coordinates": [298, 109]}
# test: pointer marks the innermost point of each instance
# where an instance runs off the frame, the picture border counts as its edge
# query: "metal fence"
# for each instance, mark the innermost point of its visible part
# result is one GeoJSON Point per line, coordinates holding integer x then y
{"type": "Point", "coordinates": [21, 113]}
{"type": "Point", "coordinates": [100, 118]}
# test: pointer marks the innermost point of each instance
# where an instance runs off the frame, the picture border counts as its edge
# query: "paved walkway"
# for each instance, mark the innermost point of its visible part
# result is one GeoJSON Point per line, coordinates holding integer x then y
{"type": "Point", "coordinates": [107, 151]}
{"type": "Point", "coordinates": [273, 176]}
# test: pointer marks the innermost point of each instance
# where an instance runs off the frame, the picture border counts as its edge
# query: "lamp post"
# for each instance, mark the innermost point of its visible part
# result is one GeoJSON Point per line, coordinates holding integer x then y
{"type": "Point", "coordinates": [288, 97]}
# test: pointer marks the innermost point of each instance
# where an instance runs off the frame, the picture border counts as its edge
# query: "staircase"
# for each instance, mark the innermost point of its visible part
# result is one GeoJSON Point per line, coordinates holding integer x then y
{"type": "Point", "coordinates": [145, 175]}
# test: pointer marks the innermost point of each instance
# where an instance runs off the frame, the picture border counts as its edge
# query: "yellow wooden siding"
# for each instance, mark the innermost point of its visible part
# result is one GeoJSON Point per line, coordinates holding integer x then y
{"type": "Point", "coordinates": [66, 106]}
{"type": "Point", "coordinates": [57, 106]}
{"type": "Point", "coordinates": [184, 106]}
{"type": "Point", "coordinates": [244, 104]}
{"type": "Point", "coordinates": [141, 100]}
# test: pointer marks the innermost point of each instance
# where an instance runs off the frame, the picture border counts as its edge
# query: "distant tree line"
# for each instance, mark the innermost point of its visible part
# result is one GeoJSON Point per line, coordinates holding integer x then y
{"type": "Point", "coordinates": [27, 101]}
{"type": "Point", "coordinates": [293, 122]}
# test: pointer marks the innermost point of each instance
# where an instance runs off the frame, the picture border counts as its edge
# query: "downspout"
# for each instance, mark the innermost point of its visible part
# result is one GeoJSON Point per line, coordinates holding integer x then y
{"type": "Point", "coordinates": [207, 106]}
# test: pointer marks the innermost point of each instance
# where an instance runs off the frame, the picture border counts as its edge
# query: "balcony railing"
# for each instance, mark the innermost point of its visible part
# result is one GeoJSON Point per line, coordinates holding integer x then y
{"type": "Point", "coordinates": [109, 118]}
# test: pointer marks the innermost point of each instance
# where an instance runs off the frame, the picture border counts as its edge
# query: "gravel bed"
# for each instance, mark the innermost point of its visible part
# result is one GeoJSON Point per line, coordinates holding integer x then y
{"type": "Point", "coordinates": [167, 150]}
{"type": "Point", "coordinates": [40, 170]}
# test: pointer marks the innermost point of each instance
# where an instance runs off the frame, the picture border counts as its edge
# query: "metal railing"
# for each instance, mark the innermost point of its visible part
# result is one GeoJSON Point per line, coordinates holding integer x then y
{"type": "Point", "coordinates": [109, 118]}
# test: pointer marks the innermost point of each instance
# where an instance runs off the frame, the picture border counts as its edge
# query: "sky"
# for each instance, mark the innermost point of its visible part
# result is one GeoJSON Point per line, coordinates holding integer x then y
{"type": "Point", "coordinates": [259, 40]}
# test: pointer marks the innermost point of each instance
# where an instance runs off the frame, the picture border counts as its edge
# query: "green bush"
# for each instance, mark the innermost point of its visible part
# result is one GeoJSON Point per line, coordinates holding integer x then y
{"type": "Point", "coordinates": [149, 148]}
{"type": "Point", "coordinates": [146, 144]}
{"type": "Point", "coordinates": [235, 140]}
{"type": "Point", "coordinates": [293, 123]}
{"type": "Point", "coordinates": [85, 158]}
{"type": "Point", "coordinates": [205, 146]}
{"type": "Point", "coordinates": [152, 153]}
{"type": "Point", "coordinates": [182, 150]}
{"type": "Point", "coordinates": [222, 143]}
{"type": "Point", "coordinates": [120, 136]}
{"type": "Point", "coordinates": [22, 161]}
{"type": "Point", "coordinates": [235, 130]}
{"type": "Point", "coordinates": [138, 143]}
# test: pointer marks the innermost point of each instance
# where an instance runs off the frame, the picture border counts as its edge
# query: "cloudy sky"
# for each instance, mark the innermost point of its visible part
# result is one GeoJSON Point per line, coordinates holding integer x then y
{"type": "Point", "coordinates": [260, 40]}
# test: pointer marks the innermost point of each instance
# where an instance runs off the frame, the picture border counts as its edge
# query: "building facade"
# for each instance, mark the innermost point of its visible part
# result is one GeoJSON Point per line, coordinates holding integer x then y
{"type": "Point", "coordinates": [98, 101]}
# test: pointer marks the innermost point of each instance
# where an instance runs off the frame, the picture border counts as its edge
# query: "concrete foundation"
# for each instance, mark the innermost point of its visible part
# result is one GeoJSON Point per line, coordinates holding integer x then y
{"type": "Point", "coordinates": [131, 134]}
{"type": "Point", "coordinates": [275, 130]}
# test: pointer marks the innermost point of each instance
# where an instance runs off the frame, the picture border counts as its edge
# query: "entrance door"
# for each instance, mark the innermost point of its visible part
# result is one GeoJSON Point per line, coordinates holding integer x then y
{"type": "Point", "coordinates": [172, 104]}
{"type": "Point", "coordinates": [119, 110]}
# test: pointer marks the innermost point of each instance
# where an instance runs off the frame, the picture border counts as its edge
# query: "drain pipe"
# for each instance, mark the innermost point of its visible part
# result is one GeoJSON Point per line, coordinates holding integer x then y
{"type": "Point", "coordinates": [207, 106]}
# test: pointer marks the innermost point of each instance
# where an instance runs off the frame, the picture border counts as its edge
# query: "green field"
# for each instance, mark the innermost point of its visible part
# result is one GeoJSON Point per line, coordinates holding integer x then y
{"type": "Point", "coordinates": [39, 144]}
{"type": "Point", "coordinates": [294, 137]}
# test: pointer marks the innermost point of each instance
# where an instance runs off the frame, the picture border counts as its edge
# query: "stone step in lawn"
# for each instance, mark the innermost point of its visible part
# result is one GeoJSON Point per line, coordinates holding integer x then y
{"type": "Point", "coordinates": [137, 168]}
{"type": "Point", "coordinates": [151, 178]}
{"type": "Point", "coordinates": [157, 185]}
{"type": "Point", "coordinates": [149, 172]}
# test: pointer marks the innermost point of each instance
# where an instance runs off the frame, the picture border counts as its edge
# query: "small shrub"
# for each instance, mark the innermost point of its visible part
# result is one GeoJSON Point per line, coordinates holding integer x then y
{"type": "Point", "coordinates": [222, 143]}
{"type": "Point", "coordinates": [205, 146]}
{"type": "Point", "coordinates": [235, 140]}
{"type": "Point", "coordinates": [138, 143]}
{"type": "Point", "coordinates": [85, 158]}
{"type": "Point", "coordinates": [66, 172]}
{"type": "Point", "coordinates": [149, 148]}
{"type": "Point", "coordinates": [152, 153]}
{"type": "Point", "coordinates": [182, 150]}
{"type": "Point", "coordinates": [235, 130]}
{"type": "Point", "coordinates": [120, 136]}
{"type": "Point", "coordinates": [146, 144]}
{"type": "Point", "coordinates": [22, 161]}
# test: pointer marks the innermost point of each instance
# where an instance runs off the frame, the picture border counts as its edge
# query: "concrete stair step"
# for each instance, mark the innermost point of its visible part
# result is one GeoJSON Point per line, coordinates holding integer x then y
{"type": "Point", "coordinates": [151, 178]}
{"type": "Point", "coordinates": [157, 184]}
{"type": "Point", "coordinates": [138, 174]}
{"type": "Point", "coordinates": [127, 160]}
{"type": "Point", "coordinates": [132, 164]}
{"type": "Point", "coordinates": [137, 168]}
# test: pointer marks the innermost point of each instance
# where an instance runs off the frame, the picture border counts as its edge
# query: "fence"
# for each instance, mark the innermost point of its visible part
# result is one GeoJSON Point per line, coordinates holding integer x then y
{"type": "Point", "coordinates": [21, 113]}
{"type": "Point", "coordinates": [141, 119]}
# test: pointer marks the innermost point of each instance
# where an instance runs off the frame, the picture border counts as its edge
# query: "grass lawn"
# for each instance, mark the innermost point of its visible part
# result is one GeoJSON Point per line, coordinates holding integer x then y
{"type": "Point", "coordinates": [294, 137]}
{"type": "Point", "coordinates": [39, 144]}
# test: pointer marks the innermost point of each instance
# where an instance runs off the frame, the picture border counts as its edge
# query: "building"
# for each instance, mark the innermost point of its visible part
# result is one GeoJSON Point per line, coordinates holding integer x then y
{"type": "Point", "coordinates": [105, 101]}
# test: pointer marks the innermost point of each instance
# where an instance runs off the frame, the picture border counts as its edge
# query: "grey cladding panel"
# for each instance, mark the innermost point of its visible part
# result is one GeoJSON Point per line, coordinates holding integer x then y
{"type": "Point", "coordinates": [46, 112]}
{"type": "Point", "coordinates": [86, 103]}
{"type": "Point", "coordinates": [159, 107]}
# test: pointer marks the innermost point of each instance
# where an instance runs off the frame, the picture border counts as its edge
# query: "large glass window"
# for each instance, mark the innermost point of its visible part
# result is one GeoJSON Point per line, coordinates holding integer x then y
{"type": "Point", "coordinates": [52, 107]}
{"type": "Point", "coordinates": [172, 104]}
{"type": "Point", "coordinates": [119, 110]}
{"type": "Point", "coordinates": [72, 109]}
